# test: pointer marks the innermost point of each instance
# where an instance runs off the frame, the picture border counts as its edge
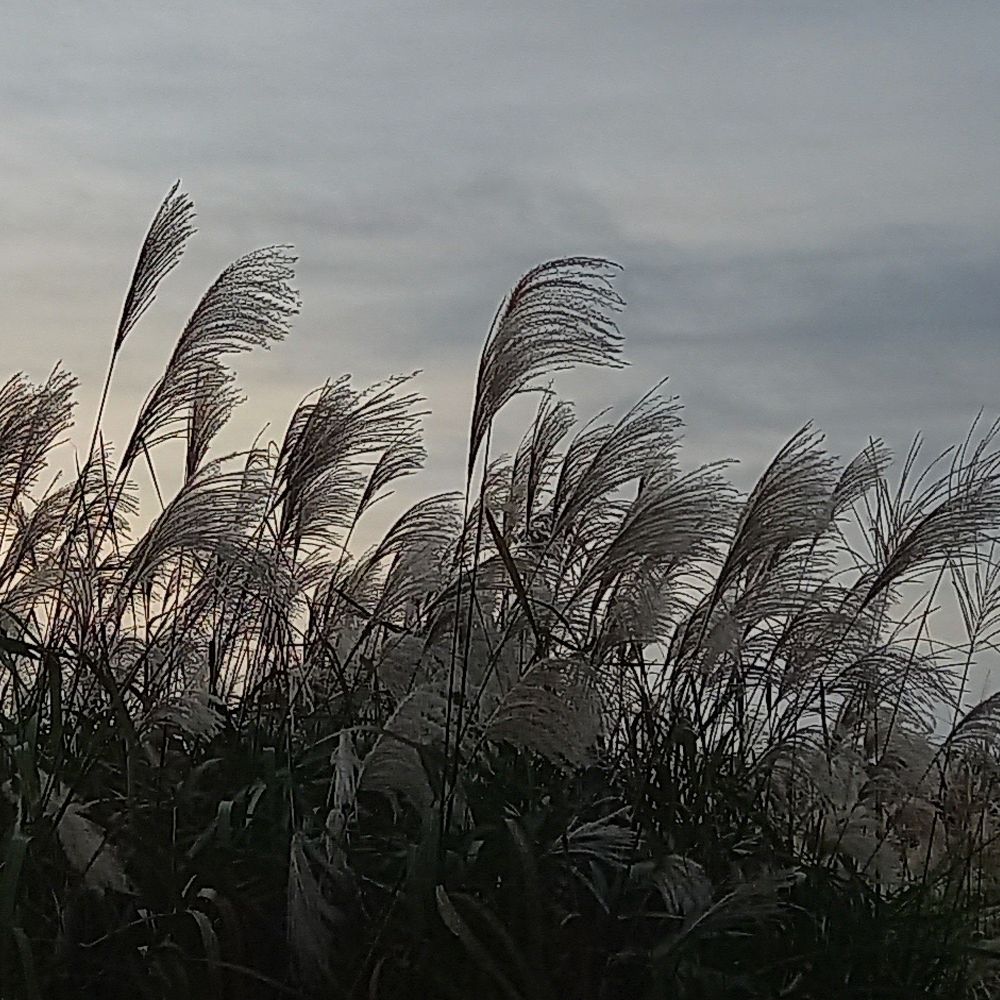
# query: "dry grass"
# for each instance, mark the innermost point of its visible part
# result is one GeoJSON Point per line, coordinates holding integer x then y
{"type": "Point", "coordinates": [594, 726]}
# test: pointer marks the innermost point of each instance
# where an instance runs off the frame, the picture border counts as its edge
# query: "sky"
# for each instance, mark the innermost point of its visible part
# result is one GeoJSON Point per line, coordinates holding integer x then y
{"type": "Point", "coordinates": [805, 197]}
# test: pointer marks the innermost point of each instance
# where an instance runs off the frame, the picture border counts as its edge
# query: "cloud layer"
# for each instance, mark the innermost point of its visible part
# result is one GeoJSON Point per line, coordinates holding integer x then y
{"type": "Point", "coordinates": [804, 195]}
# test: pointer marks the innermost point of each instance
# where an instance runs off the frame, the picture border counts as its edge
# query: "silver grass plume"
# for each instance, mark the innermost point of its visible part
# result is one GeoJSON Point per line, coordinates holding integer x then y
{"type": "Point", "coordinates": [534, 460]}
{"type": "Point", "coordinates": [936, 524]}
{"type": "Point", "coordinates": [394, 765]}
{"type": "Point", "coordinates": [37, 585]}
{"type": "Point", "coordinates": [558, 315]}
{"type": "Point", "coordinates": [860, 476]}
{"type": "Point", "coordinates": [318, 483]}
{"type": "Point", "coordinates": [31, 420]}
{"type": "Point", "coordinates": [251, 304]}
{"type": "Point", "coordinates": [976, 583]}
{"type": "Point", "coordinates": [434, 522]}
{"type": "Point", "coordinates": [412, 580]}
{"type": "Point", "coordinates": [979, 726]}
{"type": "Point", "coordinates": [85, 843]}
{"type": "Point", "coordinates": [35, 534]}
{"type": "Point", "coordinates": [406, 662]}
{"type": "Point", "coordinates": [491, 582]}
{"type": "Point", "coordinates": [210, 516]}
{"type": "Point", "coordinates": [211, 408]}
{"type": "Point", "coordinates": [493, 492]}
{"type": "Point", "coordinates": [774, 560]}
{"type": "Point", "coordinates": [744, 907]}
{"type": "Point", "coordinates": [642, 607]}
{"type": "Point", "coordinates": [550, 710]}
{"type": "Point", "coordinates": [682, 884]}
{"type": "Point", "coordinates": [403, 457]}
{"type": "Point", "coordinates": [609, 839]}
{"type": "Point", "coordinates": [161, 250]}
{"type": "Point", "coordinates": [89, 852]}
{"type": "Point", "coordinates": [345, 768]}
{"type": "Point", "coordinates": [100, 506]}
{"type": "Point", "coordinates": [897, 673]}
{"type": "Point", "coordinates": [413, 551]}
{"type": "Point", "coordinates": [196, 713]}
{"type": "Point", "coordinates": [673, 520]}
{"type": "Point", "coordinates": [792, 502]}
{"type": "Point", "coordinates": [602, 459]}
{"type": "Point", "coordinates": [824, 639]}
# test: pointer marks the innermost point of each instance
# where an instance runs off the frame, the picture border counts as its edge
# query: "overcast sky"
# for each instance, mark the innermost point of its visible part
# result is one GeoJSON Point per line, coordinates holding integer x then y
{"type": "Point", "coordinates": [805, 196]}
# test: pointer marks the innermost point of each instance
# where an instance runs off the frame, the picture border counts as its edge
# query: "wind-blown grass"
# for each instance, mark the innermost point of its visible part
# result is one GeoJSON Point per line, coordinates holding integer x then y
{"type": "Point", "coordinates": [594, 726]}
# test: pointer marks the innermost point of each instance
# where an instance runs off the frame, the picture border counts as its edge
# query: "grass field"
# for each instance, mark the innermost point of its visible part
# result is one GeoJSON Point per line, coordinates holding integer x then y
{"type": "Point", "coordinates": [593, 726]}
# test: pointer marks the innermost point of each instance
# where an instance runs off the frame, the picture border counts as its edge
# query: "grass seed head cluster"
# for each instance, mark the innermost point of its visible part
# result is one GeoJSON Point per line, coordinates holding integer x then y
{"type": "Point", "coordinates": [593, 726]}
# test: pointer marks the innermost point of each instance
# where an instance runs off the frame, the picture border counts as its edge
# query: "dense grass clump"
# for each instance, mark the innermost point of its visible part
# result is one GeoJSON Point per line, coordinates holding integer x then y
{"type": "Point", "coordinates": [595, 726]}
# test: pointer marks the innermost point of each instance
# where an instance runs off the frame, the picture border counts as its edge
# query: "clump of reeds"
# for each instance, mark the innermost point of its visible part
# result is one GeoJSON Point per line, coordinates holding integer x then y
{"type": "Point", "coordinates": [595, 725]}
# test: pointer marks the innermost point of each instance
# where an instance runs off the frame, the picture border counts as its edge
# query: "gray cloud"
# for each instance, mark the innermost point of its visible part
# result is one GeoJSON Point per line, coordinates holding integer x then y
{"type": "Point", "coordinates": [895, 331]}
{"type": "Point", "coordinates": [804, 195]}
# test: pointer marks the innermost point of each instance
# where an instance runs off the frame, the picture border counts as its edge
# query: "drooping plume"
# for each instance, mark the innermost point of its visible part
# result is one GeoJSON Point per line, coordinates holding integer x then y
{"type": "Point", "coordinates": [251, 304]}
{"type": "Point", "coordinates": [558, 315]}
{"type": "Point", "coordinates": [161, 250]}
